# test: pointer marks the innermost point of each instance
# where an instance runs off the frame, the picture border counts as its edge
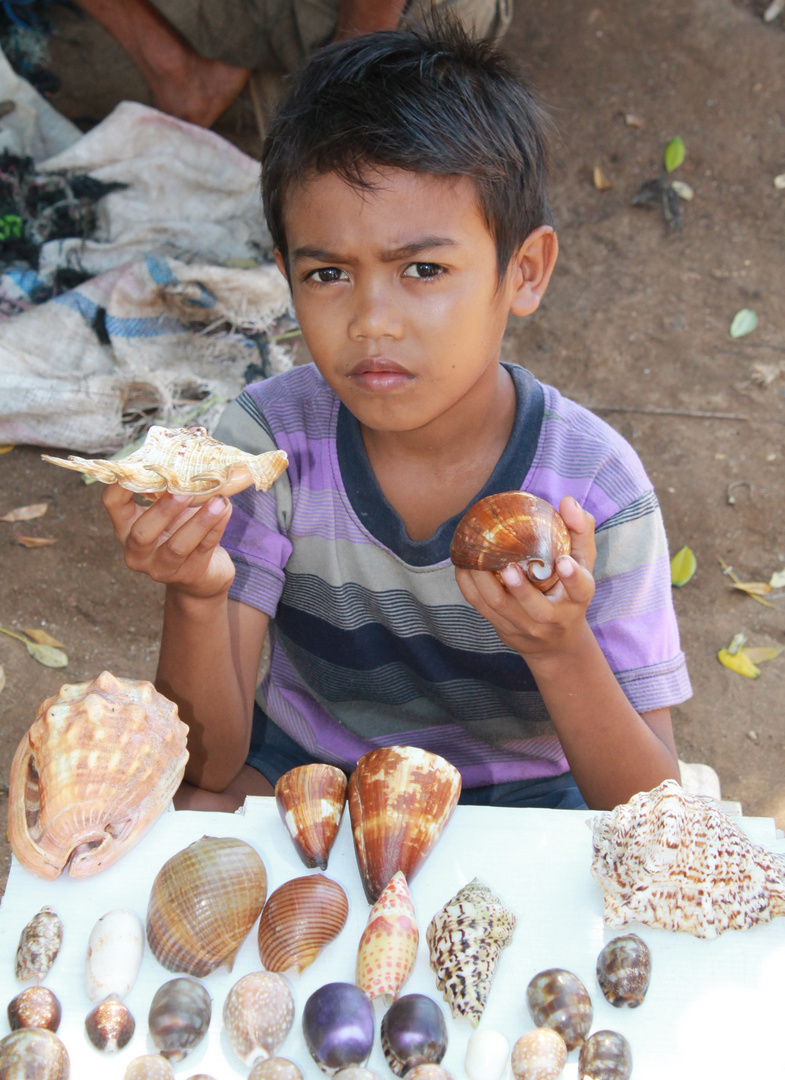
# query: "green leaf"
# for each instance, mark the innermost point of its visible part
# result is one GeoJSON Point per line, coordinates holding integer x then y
{"type": "Point", "coordinates": [744, 322]}
{"type": "Point", "coordinates": [675, 153]}
{"type": "Point", "coordinates": [683, 566]}
{"type": "Point", "coordinates": [44, 654]}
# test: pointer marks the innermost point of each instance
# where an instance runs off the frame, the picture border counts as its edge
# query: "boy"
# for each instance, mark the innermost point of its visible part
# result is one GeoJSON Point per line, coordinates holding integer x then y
{"type": "Point", "coordinates": [404, 187]}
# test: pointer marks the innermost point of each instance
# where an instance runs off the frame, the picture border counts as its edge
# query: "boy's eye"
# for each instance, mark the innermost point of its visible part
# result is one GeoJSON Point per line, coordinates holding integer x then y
{"type": "Point", "coordinates": [328, 273]}
{"type": "Point", "coordinates": [423, 270]}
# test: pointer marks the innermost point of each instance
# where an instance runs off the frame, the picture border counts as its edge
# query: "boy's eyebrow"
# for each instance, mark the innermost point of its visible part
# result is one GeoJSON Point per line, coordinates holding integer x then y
{"type": "Point", "coordinates": [406, 251]}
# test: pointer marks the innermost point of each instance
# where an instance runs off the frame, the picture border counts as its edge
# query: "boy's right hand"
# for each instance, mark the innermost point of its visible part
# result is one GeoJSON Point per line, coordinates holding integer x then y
{"type": "Point", "coordinates": [173, 542]}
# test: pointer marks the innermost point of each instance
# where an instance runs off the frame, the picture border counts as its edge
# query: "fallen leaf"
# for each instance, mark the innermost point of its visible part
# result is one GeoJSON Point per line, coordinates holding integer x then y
{"type": "Point", "coordinates": [744, 322]}
{"type": "Point", "coordinates": [633, 120]}
{"type": "Point", "coordinates": [26, 513]}
{"type": "Point", "coordinates": [34, 541]}
{"type": "Point", "coordinates": [675, 152]}
{"type": "Point", "coordinates": [43, 638]}
{"type": "Point", "coordinates": [777, 579]}
{"type": "Point", "coordinates": [2, 678]}
{"type": "Point", "coordinates": [754, 588]}
{"type": "Point", "coordinates": [6, 447]}
{"type": "Point", "coordinates": [738, 662]}
{"type": "Point", "coordinates": [684, 191]}
{"type": "Point", "coordinates": [601, 181]}
{"type": "Point", "coordinates": [763, 652]}
{"type": "Point", "coordinates": [683, 566]}
{"type": "Point", "coordinates": [44, 654]}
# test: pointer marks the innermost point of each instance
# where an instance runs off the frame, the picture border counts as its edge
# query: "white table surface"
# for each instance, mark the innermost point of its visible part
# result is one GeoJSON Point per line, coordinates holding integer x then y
{"type": "Point", "coordinates": [715, 1009]}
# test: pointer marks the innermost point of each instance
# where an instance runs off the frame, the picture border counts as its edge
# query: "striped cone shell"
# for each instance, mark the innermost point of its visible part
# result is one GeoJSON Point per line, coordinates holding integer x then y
{"type": "Point", "coordinates": [388, 946]}
{"type": "Point", "coordinates": [299, 920]}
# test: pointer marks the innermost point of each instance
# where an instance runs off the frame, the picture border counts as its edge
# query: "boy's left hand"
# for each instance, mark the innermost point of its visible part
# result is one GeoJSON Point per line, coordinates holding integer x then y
{"type": "Point", "coordinates": [533, 623]}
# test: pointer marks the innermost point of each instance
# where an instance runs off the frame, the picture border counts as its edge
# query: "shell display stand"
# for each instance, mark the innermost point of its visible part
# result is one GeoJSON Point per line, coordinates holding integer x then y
{"type": "Point", "coordinates": [714, 1008]}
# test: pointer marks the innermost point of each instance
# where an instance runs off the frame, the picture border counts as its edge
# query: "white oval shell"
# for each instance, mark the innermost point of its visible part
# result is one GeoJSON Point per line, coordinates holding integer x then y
{"type": "Point", "coordinates": [487, 1055]}
{"type": "Point", "coordinates": [114, 954]}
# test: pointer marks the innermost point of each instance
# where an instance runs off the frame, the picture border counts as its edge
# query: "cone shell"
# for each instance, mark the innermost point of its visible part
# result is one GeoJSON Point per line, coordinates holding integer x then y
{"type": "Point", "coordinates": [39, 944]}
{"type": "Point", "coordinates": [183, 461]}
{"type": "Point", "coordinates": [203, 903]}
{"type": "Point", "coordinates": [310, 800]}
{"type": "Point", "coordinates": [35, 1007]}
{"type": "Point", "coordinates": [149, 1067]}
{"type": "Point", "coordinates": [465, 939]}
{"type": "Point", "coordinates": [400, 799]}
{"type": "Point", "coordinates": [512, 527]}
{"type": "Point", "coordinates": [388, 946]}
{"type": "Point", "coordinates": [99, 764]}
{"type": "Point", "coordinates": [114, 954]}
{"type": "Point", "coordinates": [301, 917]}
{"type": "Point", "coordinates": [258, 1013]}
{"type": "Point", "coordinates": [276, 1068]}
{"type": "Point", "coordinates": [35, 1053]}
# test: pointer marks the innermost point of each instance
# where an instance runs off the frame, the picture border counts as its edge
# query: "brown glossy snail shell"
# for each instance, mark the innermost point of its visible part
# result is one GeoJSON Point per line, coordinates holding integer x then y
{"type": "Point", "coordinates": [310, 800]}
{"type": "Point", "coordinates": [301, 917]}
{"type": "Point", "coordinates": [512, 527]}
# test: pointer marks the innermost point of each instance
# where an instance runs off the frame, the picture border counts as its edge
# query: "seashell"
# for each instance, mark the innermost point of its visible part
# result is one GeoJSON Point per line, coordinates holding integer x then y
{"type": "Point", "coordinates": [98, 765]}
{"type": "Point", "coordinates": [275, 1068]}
{"type": "Point", "coordinates": [512, 527]}
{"type": "Point", "coordinates": [114, 954]}
{"type": "Point", "coordinates": [676, 861]}
{"type": "Point", "coordinates": [257, 1014]}
{"type": "Point", "coordinates": [36, 1006]}
{"type": "Point", "coordinates": [300, 919]}
{"type": "Point", "coordinates": [33, 1054]}
{"type": "Point", "coordinates": [413, 1032]}
{"type": "Point", "coordinates": [558, 999]}
{"type": "Point", "coordinates": [540, 1054]}
{"type": "Point", "coordinates": [338, 1026]}
{"type": "Point", "coordinates": [428, 1072]}
{"type": "Point", "coordinates": [39, 944]}
{"type": "Point", "coordinates": [203, 903]}
{"type": "Point", "coordinates": [356, 1072]}
{"type": "Point", "coordinates": [624, 970]}
{"type": "Point", "coordinates": [400, 799]}
{"type": "Point", "coordinates": [183, 461]}
{"type": "Point", "coordinates": [388, 945]}
{"type": "Point", "coordinates": [606, 1055]}
{"type": "Point", "coordinates": [310, 800]}
{"type": "Point", "coordinates": [179, 1017]}
{"type": "Point", "coordinates": [465, 939]}
{"type": "Point", "coordinates": [487, 1054]}
{"type": "Point", "coordinates": [110, 1026]}
{"type": "Point", "coordinates": [149, 1067]}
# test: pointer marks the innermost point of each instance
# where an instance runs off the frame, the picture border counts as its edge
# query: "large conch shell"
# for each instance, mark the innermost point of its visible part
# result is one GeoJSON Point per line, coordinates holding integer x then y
{"type": "Point", "coordinates": [310, 799]}
{"type": "Point", "coordinates": [100, 762]}
{"type": "Point", "coordinates": [400, 799]}
{"type": "Point", "coordinates": [676, 861]}
{"type": "Point", "coordinates": [388, 946]}
{"type": "Point", "coordinates": [465, 939]}
{"type": "Point", "coordinates": [203, 903]}
{"type": "Point", "coordinates": [183, 461]}
{"type": "Point", "coordinates": [512, 527]}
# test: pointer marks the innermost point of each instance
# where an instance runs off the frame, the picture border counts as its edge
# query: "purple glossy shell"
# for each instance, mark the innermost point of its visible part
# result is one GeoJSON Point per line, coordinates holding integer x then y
{"type": "Point", "coordinates": [413, 1032]}
{"type": "Point", "coordinates": [606, 1055]}
{"type": "Point", "coordinates": [338, 1026]}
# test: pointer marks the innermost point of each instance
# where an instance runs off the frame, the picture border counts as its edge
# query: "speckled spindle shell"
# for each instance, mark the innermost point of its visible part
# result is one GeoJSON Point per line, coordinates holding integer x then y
{"type": "Point", "coordinates": [540, 1054]}
{"type": "Point", "coordinates": [400, 800]}
{"type": "Point", "coordinates": [39, 944]}
{"type": "Point", "coordinates": [258, 1013]}
{"type": "Point", "coordinates": [388, 946]}
{"type": "Point", "coordinates": [606, 1055]}
{"type": "Point", "coordinates": [97, 767]}
{"type": "Point", "coordinates": [203, 903]}
{"type": "Point", "coordinates": [465, 939]}
{"type": "Point", "coordinates": [33, 1054]}
{"type": "Point", "coordinates": [310, 800]}
{"type": "Point", "coordinates": [35, 1006]}
{"type": "Point", "coordinates": [275, 1068]}
{"type": "Point", "coordinates": [624, 970]}
{"type": "Point", "coordinates": [300, 919]}
{"type": "Point", "coordinates": [110, 1025]}
{"type": "Point", "coordinates": [149, 1067]}
{"type": "Point", "coordinates": [512, 527]}
{"type": "Point", "coordinates": [179, 1017]}
{"type": "Point", "coordinates": [558, 999]}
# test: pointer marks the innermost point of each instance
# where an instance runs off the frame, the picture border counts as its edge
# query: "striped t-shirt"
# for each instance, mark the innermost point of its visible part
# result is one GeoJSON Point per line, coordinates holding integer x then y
{"type": "Point", "coordinates": [372, 643]}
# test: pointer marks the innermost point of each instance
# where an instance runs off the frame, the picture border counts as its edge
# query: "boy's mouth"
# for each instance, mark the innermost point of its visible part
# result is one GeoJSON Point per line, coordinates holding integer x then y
{"type": "Point", "coordinates": [377, 375]}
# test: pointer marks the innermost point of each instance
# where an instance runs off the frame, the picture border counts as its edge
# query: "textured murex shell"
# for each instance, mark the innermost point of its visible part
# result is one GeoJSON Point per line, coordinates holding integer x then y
{"type": "Point", "coordinates": [465, 939]}
{"type": "Point", "coordinates": [203, 903]}
{"type": "Point", "coordinates": [183, 461]}
{"type": "Point", "coordinates": [388, 946]}
{"type": "Point", "coordinates": [258, 1013]}
{"type": "Point", "coordinates": [511, 527]}
{"type": "Point", "coordinates": [39, 944]}
{"type": "Point", "coordinates": [400, 799]}
{"type": "Point", "coordinates": [310, 800]}
{"type": "Point", "coordinates": [676, 861]}
{"type": "Point", "coordinates": [301, 917]}
{"type": "Point", "coordinates": [99, 764]}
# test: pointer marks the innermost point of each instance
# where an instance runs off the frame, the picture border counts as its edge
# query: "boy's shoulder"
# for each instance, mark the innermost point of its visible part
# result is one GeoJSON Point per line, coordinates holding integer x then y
{"type": "Point", "coordinates": [280, 407]}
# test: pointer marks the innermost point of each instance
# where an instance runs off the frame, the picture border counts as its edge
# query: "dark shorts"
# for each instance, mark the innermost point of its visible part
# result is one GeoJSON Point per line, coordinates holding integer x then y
{"type": "Point", "coordinates": [273, 753]}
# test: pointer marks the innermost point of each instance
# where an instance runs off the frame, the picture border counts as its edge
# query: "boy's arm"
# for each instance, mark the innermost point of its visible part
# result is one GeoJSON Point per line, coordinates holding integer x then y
{"type": "Point", "coordinates": [613, 751]}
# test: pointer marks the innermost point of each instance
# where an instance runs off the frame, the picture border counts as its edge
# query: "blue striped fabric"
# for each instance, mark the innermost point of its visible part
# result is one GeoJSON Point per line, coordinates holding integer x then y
{"type": "Point", "coordinates": [372, 641]}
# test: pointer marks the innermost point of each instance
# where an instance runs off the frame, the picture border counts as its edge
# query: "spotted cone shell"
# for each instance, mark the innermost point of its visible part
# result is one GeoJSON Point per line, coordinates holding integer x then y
{"type": "Point", "coordinates": [183, 461]}
{"type": "Point", "coordinates": [400, 799]}
{"type": "Point", "coordinates": [310, 800]}
{"type": "Point", "coordinates": [203, 903]}
{"type": "Point", "coordinates": [465, 939]}
{"type": "Point", "coordinates": [388, 946]}
{"type": "Point", "coordinates": [99, 764]}
{"type": "Point", "coordinates": [300, 919]}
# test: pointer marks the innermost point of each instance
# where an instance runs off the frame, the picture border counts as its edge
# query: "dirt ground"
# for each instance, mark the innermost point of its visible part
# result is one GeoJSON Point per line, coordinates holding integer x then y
{"type": "Point", "coordinates": [635, 325]}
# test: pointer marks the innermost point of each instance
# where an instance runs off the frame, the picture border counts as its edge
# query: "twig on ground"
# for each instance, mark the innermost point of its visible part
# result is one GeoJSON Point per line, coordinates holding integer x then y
{"type": "Point", "coordinates": [700, 414]}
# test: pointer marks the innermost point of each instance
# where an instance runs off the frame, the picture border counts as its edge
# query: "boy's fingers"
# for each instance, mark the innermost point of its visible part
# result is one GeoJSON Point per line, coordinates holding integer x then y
{"type": "Point", "coordinates": [576, 579]}
{"type": "Point", "coordinates": [580, 524]}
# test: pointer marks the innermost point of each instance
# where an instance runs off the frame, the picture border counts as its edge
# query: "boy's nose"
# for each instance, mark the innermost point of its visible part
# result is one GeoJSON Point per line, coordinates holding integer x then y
{"type": "Point", "coordinates": [374, 316]}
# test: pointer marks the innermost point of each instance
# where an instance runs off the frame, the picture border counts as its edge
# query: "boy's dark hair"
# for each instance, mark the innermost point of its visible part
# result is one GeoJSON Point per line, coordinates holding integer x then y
{"type": "Point", "coordinates": [433, 102]}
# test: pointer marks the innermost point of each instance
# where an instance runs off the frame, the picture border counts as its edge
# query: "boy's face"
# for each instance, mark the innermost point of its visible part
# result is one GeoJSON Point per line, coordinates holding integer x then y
{"type": "Point", "coordinates": [396, 293]}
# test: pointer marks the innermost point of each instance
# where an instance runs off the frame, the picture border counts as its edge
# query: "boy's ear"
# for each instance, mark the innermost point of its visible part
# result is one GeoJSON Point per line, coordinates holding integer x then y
{"type": "Point", "coordinates": [280, 262]}
{"type": "Point", "coordinates": [531, 269]}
